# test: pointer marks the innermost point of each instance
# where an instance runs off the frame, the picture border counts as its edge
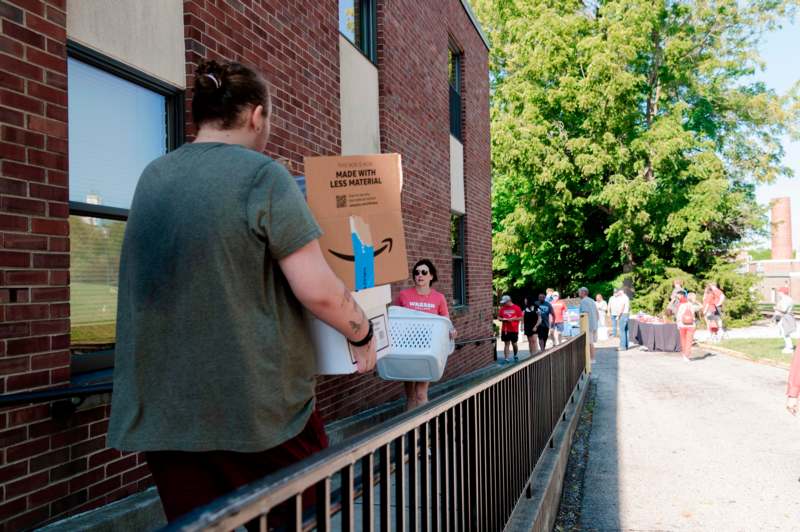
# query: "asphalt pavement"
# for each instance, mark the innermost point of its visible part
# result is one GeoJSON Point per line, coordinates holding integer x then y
{"type": "Point", "coordinates": [701, 445]}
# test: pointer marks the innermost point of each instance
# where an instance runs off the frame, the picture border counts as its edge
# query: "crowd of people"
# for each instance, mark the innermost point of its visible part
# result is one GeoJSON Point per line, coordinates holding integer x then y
{"type": "Point", "coordinates": [543, 317]}
{"type": "Point", "coordinates": [544, 320]}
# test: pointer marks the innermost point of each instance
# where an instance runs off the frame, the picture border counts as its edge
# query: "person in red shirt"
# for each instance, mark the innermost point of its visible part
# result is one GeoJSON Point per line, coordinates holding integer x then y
{"type": "Point", "coordinates": [559, 313]}
{"type": "Point", "coordinates": [719, 299]}
{"type": "Point", "coordinates": [423, 298]}
{"type": "Point", "coordinates": [510, 315]}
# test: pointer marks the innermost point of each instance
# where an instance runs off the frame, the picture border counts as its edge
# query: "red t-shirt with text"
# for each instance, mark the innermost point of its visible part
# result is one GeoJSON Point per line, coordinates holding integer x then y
{"type": "Point", "coordinates": [510, 312]}
{"type": "Point", "coordinates": [433, 303]}
{"type": "Point", "coordinates": [559, 311]}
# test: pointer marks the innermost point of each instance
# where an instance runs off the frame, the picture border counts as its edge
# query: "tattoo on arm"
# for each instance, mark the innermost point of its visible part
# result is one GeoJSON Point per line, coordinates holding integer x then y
{"type": "Point", "coordinates": [355, 326]}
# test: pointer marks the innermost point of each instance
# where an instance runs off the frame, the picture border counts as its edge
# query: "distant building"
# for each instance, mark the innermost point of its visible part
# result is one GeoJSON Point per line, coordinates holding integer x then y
{"type": "Point", "coordinates": [783, 269]}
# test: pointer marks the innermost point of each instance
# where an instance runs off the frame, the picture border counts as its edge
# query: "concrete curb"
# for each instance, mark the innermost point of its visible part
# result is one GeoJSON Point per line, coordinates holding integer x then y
{"type": "Point", "coordinates": [141, 511]}
{"type": "Point", "coordinates": [738, 354]}
{"type": "Point", "coordinates": [538, 511]}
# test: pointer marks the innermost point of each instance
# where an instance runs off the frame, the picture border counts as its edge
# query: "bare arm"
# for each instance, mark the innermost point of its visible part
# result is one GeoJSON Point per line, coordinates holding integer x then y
{"type": "Point", "coordinates": [324, 294]}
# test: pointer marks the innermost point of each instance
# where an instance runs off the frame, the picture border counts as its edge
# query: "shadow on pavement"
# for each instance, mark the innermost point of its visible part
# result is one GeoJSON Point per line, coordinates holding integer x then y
{"type": "Point", "coordinates": [601, 493]}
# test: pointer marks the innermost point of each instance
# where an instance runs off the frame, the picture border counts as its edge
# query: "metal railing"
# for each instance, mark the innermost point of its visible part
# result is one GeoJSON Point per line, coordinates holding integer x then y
{"type": "Point", "coordinates": [461, 463]}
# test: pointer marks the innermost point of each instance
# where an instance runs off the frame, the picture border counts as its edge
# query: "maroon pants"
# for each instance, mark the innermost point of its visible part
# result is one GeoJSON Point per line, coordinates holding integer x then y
{"type": "Point", "coordinates": [187, 480]}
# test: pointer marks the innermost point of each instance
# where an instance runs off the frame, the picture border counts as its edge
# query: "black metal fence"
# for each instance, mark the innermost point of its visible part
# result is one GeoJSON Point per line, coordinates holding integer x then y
{"type": "Point", "coordinates": [461, 463]}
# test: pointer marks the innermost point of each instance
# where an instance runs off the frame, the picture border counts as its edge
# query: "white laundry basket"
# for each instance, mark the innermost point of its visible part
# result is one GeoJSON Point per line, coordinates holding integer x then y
{"type": "Point", "coordinates": [419, 346]}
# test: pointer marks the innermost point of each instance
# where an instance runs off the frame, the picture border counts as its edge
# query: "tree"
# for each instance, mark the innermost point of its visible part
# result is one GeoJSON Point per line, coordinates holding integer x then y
{"type": "Point", "coordinates": [628, 136]}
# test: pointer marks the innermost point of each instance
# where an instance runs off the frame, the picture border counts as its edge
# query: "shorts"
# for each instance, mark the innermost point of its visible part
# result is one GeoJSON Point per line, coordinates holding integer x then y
{"type": "Point", "coordinates": [559, 327]}
{"type": "Point", "coordinates": [509, 337]}
{"type": "Point", "coordinates": [543, 333]}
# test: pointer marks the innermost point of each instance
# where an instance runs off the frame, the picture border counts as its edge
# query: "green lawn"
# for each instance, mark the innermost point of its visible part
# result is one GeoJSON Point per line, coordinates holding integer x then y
{"type": "Point", "coordinates": [760, 349]}
{"type": "Point", "coordinates": [93, 309]}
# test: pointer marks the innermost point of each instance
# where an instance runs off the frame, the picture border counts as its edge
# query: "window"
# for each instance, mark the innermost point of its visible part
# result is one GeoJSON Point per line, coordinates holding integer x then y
{"type": "Point", "coordinates": [358, 24]}
{"type": "Point", "coordinates": [454, 78]}
{"type": "Point", "coordinates": [119, 121]}
{"type": "Point", "coordinates": [459, 268]}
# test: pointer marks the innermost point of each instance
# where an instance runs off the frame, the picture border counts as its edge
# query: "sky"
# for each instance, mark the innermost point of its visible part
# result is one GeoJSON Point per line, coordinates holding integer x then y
{"type": "Point", "coordinates": [781, 53]}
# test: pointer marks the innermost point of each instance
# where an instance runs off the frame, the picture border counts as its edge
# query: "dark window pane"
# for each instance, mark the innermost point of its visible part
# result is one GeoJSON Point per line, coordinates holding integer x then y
{"type": "Point", "coordinates": [95, 246]}
{"type": "Point", "coordinates": [115, 129]}
{"type": "Point", "coordinates": [457, 247]}
{"type": "Point", "coordinates": [455, 114]}
{"type": "Point", "coordinates": [458, 282]}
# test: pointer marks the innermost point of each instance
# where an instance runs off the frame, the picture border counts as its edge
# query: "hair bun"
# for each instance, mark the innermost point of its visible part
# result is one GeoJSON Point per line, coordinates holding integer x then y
{"type": "Point", "coordinates": [209, 76]}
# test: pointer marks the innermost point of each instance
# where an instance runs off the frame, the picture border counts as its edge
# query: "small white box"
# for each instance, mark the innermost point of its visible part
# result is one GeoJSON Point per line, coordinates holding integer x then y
{"type": "Point", "coordinates": [420, 345]}
{"type": "Point", "coordinates": [332, 348]}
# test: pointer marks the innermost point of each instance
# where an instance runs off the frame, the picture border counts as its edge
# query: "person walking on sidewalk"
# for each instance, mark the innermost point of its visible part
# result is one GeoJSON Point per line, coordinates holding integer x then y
{"type": "Point", "coordinates": [685, 318]}
{"type": "Point", "coordinates": [530, 323]}
{"type": "Point", "coordinates": [423, 298]}
{"type": "Point", "coordinates": [710, 313]}
{"type": "Point", "coordinates": [214, 377]}
{"type": "Point", "coordinates": [613, 311]}
{"type": "Point", "coordinates": [510, 316]}
{"type": "Point", "coordinates": [784, 318]}
{"type": "Point", "coordinates": [719, 300]}
{"type": "Point", "coordinates": [623, 306]}
{"type": "Point", "coordinates": [589, 308]}
{"type": "Point", "coordinates": [546, 322]}
{"type": "Point", "coordinates": [559, 314]}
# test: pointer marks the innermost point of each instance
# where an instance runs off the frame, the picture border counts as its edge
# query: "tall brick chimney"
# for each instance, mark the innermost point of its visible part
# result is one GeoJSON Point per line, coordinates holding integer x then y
{"type": "Point", "coordinates": [781, 225]}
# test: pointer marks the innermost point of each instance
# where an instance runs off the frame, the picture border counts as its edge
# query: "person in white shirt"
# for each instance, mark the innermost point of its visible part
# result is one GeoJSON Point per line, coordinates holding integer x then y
{"type": "Point", "coordinates": [622, 305]}
{"type": "Point", "coordinates": [613, 311]}
{"type": "Point", "coordinates": [784, 318]}
{"type": "Point", "coordinates": [589, 308]}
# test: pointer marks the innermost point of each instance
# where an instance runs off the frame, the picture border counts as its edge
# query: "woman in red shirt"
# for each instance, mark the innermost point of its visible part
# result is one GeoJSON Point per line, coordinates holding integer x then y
{"type": "Point", "coordinates": [423, 298]}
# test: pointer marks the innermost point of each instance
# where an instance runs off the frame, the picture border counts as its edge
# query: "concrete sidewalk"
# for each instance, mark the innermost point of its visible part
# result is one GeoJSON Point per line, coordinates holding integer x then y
{"type": "Point", "coordinates": [705, 445]}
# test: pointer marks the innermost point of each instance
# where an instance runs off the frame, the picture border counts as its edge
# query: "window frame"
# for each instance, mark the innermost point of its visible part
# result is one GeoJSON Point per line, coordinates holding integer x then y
{"type": "Point", "coordinates": [175, 108]}
{"type": "Point", "coordinates": [368, 30]}
{"type": "Point", "coordinates": [175, 128]}
{"type": "Point", "coordinates": [459, 281]}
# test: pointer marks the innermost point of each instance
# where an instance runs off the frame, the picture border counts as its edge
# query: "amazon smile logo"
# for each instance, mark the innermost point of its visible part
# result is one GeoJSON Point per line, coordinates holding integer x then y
{"type": "Point", "coordinates": [387, 245]}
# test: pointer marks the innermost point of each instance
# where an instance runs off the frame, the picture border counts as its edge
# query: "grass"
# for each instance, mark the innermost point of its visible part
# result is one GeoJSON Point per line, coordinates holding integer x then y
{"type": "Point", "coordinates": [93, 313]}
{"type": "Point", "coordinates": [760, 349]}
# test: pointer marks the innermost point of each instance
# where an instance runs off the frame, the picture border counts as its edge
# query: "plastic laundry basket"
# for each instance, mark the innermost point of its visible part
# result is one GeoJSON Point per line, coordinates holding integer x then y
{"type": "Point", "coordinates": [420, 345]}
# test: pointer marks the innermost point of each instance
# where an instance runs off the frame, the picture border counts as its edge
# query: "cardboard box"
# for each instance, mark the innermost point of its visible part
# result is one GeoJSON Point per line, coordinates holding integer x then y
{"type": "Point", "coordinates": [356, 200]}
{"type": "Point", "coordinates": [332, 349]}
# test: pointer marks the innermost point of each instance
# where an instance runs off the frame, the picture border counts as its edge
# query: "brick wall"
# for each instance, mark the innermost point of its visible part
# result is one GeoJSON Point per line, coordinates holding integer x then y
{"type": "Point", "coordinates": [49, 470]}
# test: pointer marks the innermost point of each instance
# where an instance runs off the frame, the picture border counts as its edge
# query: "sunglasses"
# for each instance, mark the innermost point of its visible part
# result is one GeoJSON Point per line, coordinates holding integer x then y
{"type": "Point", "coordinates": [421, 272]}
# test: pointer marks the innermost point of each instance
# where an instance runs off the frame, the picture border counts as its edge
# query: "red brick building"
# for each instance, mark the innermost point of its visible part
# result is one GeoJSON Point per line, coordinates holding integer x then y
{"type": "Point", "coordinates": [91, 91]}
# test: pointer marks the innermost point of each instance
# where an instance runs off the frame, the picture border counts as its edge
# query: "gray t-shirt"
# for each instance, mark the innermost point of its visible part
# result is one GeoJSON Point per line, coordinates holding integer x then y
{"type": "Point", "coordinates": [212, 351]}
{"type": "Point", "coordinates": [589, 307]}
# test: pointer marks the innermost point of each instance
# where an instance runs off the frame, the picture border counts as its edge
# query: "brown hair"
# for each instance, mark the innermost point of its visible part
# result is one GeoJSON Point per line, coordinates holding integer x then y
{"type": "Point", "coordinates": [222, 91]}
{"type": "Point", "coordinates": [431, 268]}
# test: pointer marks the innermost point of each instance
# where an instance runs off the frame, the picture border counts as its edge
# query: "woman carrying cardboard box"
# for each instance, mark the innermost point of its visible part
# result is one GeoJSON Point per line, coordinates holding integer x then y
{"type": "Point", "coordinates": [214, 377]}
{"type": "Point", "coordinates": [424, 298]}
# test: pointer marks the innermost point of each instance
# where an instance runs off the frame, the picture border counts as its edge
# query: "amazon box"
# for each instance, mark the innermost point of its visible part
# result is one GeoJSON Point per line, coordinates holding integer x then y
{"type": "Point", "coordinates": [356, 201]}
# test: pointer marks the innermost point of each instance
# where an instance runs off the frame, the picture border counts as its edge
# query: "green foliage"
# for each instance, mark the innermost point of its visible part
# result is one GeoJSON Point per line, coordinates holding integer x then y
{"type": "Point", "coordinates": [760, 253]}
{"type": "Point", "coordinates": [740, 307]}
{"type": "Point", "coordinates": [628, 137]}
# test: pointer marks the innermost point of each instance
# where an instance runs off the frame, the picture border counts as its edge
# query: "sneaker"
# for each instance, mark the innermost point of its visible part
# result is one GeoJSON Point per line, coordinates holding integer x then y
{"type": "Point", "coordinates": [686, 359]}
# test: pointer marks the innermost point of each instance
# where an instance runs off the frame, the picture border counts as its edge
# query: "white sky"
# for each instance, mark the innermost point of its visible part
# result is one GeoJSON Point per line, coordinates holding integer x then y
{"type": "Point", "coordinates": [781, 53]}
